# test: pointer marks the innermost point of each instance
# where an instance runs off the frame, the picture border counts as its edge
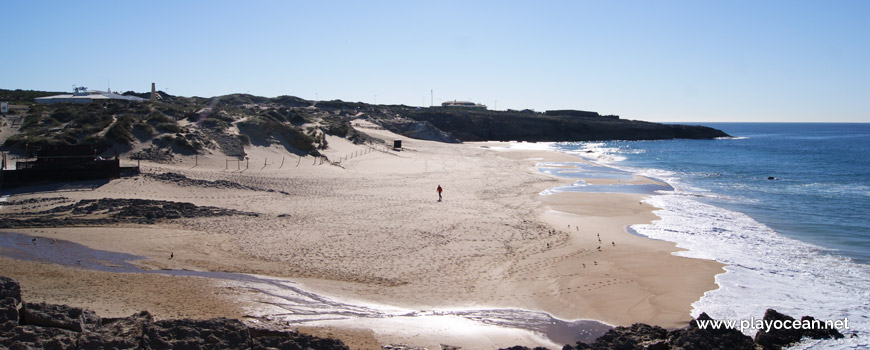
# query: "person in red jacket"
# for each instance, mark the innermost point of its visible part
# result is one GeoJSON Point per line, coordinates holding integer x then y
{"type": "Point", "coordinates": [439, 192]}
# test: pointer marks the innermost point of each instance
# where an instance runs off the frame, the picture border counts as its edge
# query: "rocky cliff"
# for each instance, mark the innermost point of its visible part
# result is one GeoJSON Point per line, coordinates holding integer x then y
{"type": "Point", "coordinates": [473, 125]}
{"type": "Point", "coordinates": [47, 326]}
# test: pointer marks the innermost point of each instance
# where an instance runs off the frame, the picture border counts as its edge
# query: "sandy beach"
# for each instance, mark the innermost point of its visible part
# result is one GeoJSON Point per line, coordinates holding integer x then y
{"type": "Point", "coordinates": [370, 229]}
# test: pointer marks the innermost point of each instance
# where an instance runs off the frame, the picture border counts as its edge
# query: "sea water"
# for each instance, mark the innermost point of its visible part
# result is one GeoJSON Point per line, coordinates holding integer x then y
{"type": "Point", "coordinates": [786, 207]}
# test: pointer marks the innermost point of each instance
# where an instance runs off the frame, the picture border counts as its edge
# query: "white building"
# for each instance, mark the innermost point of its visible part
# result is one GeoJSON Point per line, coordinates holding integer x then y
{"type": "Point", "coordinates": [83, 95]}
{"type": "Point", "coordinates": [462, 104]}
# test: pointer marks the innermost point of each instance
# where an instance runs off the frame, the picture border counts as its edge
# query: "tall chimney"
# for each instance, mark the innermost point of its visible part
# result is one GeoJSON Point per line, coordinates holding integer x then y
{"type": "Point", "coordinates": [153, 92]}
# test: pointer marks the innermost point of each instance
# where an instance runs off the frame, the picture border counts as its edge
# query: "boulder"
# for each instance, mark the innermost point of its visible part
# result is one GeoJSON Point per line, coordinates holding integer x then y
{"type": "Point", "coordinates": [9, 312]}
{"type": "Point", "coordinates": [218, 333]}
{"type": "Point", "coordinates": [117, 333]}
{"type": "Point", "coordinates": [638, 336]}
{"type": "Point", "coordinates": [262, 339]}
{"type": "Point", "coordinates": [694, 337]}
{"type": "Point", "coordinates": [9, 288]}
{"type": "Point", "coordinates": [778, 338]}
{"type": "Point", "coordinates": [59, 316]}
{"type": "Point", "coordinates": [822, 333]}
{"type": "Point", "coordinates": [35, 337]}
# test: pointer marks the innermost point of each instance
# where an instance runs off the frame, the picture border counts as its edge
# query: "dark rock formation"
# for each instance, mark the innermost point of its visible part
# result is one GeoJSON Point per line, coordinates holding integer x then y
{"type": "Point", "coordinates": [218, 333]}
{"type": "Point", "coordinates": [9, 289]}
{"type": "Point", "coordinates": [117, 333]}
{"type": "Point", "coordinates": [47, 326]}
{"type": "Point", "coordinates": [35, 337]}
{"type": "Point", "coordinates": [181, 180]}
{"type": "Point", "coordinates": [472, 125]}
{"type": "Point", "coordinates": [642, 336]}
{"type": "Point", "coordinates": [693, 337]}
{"type": "Point", "coordinates": [114, 211]}
{"type": "Point", "coordinates": [779, 337]}
{"type": "Point", "coordinates": [638, 336]}
{"type": "Point", "coordinates": [9, 313]}
{"type": "Point", "coordinates": [579, 114]}
{"type": "Point", "coordinates": [262, 339]}
{"type": "Point", "coordinates": [59, 316]}
{"type": "Point", "coordinates": [523, 348]}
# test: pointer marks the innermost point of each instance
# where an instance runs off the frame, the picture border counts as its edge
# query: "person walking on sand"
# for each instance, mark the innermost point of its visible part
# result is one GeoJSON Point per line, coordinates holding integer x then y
{"type": "Point", "coordinates": [439, 192]}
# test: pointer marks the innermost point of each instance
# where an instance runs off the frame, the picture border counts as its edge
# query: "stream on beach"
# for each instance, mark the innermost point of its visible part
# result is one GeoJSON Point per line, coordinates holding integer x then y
{"type": "Point", "coordinates": [297, 306]}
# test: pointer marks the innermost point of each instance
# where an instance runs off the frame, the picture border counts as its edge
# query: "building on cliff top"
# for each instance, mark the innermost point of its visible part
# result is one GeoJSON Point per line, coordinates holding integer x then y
{"type": "Point", "coordinates": [462, 104]}
{"type": "Point", "coordinates": [83, 95]}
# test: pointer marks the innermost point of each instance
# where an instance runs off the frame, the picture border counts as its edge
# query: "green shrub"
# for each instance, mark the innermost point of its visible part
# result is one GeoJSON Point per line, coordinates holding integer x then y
{"type": "Point", "coordinates": [121, 131]}
{"type": "Point", "coordinates": [158, 118]}
{"type": "Point", "coordinates": [216, 124]}
{"type": "Point", "coordinates": [63, 115]}
{"type": "Point", "coordinates": [66, 138]}
{"type": "Point", "coordinates": [261, 130]}
{"type": "Point", "coordinates": [171, 127]}
{"type": "Point", "coordinates": [337, 128]}
{"type": "Point", "coordinates": [144, 128]}
{"type": "Point", "coordinates": [32, 119]}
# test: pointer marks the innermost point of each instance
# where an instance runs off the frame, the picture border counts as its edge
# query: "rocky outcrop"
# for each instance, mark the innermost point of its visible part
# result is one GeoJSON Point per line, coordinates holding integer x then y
{"type": "Point", "coordinates": [218, 333]}
{"type": "Point", "coordinates": [59, 316]}
{"type": "Point", "coordinates": [9, 289]}
{"type": "Point", "coordinates": [48, 326]}
{"type": "Point", "coordinates": [108, 211]}
{"type": "Point", "coordinates": [117, 333]}
{"type": "Point", "coordinates": [642, 336]}
{"type": "Point", "coordinates": [779, 337]}
{"type": "Point", "coordinates": [471, 125]}
{"type": "Point", "coordinates": [35, 337]}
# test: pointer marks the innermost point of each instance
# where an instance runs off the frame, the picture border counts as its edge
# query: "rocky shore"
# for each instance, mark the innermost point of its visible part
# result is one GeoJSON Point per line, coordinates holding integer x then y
{"type": "Point", "coordinates": [106, 211]}
{"type": "Point", "coordinates": [643, 336]}
{"type": "Point", "coordinates": [26, 325]}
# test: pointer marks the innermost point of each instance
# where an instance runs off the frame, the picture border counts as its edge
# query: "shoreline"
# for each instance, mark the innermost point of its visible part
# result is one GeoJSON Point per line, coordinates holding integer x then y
{"type": "Point", "coordinates": [510, 258]}
{"type": "Point", "coordinates": [656, 280]}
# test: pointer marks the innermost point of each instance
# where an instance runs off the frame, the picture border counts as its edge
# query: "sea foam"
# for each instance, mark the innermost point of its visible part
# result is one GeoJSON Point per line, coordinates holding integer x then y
{"type": "Point", "coordinates": [764, 269]}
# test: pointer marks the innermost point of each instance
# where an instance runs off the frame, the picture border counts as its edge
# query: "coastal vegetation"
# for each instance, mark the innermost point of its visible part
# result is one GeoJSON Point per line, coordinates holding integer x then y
{"type": "Point", "coordinates": [192, 125]}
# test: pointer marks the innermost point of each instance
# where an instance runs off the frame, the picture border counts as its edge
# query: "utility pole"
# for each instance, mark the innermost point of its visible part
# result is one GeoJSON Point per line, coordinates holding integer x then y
{"type": "Point", "coordinates": [432, 98]}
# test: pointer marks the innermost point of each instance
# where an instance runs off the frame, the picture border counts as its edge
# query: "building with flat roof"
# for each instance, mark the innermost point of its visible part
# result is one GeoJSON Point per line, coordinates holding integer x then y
{"type": "Point", "coordinates": [462, 104]}
{"type": "Point", "coordinates": [83, 95]}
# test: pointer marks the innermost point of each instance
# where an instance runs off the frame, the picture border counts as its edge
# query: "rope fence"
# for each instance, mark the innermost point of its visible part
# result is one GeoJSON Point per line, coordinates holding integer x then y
{"type": "Point", "coordinates": [244, 164]}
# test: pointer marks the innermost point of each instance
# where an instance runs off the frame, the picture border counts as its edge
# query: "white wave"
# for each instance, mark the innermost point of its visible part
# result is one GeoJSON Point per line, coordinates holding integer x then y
{"type": "Point", "coordinates": [596, 151]}
{"type": "Point", "coordinates": [531, 145]}
{"type": "Point", "coordinates": [764, 269]}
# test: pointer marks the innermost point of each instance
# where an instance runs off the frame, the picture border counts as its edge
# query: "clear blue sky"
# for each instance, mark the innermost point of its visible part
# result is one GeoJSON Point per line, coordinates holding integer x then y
{"type": "Point", "coordinates": [680, 61]}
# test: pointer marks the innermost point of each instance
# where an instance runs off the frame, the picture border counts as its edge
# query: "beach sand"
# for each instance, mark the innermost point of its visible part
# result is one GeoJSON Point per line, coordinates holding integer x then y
{"type": "Point", "coordinates": [371, 229]}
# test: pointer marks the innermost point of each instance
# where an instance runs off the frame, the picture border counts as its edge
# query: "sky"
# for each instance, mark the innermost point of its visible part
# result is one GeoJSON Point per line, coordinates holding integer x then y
{"type": "Point", "coordinates": [661, 61]}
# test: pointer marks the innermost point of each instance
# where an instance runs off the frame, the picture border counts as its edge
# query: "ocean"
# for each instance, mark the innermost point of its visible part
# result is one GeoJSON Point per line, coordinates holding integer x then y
{"type": "Point", "coordinates": [785, 206]}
